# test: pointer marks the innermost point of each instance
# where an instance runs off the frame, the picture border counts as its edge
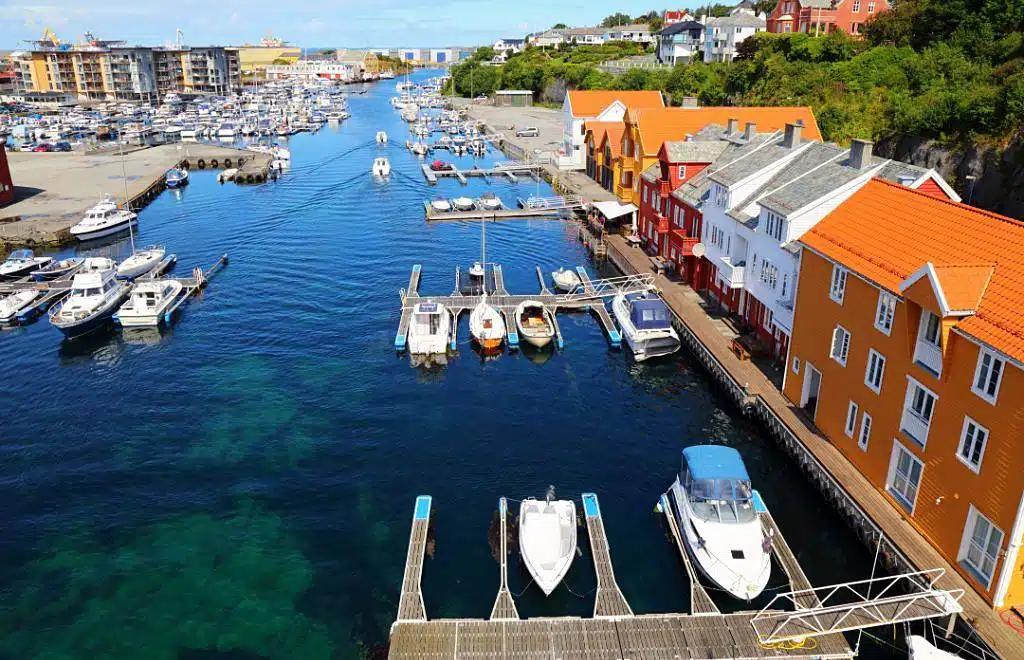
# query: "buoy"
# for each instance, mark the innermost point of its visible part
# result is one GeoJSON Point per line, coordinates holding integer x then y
{"type": "Point", "coordinates": [201, 163]}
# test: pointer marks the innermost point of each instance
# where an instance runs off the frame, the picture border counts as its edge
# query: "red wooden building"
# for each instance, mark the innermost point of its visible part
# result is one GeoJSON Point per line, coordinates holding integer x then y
{"type": "Point", "coordinates": [6, 182]}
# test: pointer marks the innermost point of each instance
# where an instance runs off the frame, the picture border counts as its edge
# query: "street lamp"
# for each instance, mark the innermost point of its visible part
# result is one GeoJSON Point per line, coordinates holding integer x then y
{"type": "Point", "coordinates": [970, 194]}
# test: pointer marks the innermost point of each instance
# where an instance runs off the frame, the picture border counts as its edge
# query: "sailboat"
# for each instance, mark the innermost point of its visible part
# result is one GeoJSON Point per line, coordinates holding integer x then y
{"type": "Point", "coordinates": [486, 325]}
{"type": "Point", "coordinates": [141, 261]}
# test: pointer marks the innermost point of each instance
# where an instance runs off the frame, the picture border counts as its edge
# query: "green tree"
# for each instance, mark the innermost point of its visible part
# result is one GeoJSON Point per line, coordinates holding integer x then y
{"type": "Point", "coordinates": [559, 26]}
{"type": "Point", "coordinates": [617, 18]}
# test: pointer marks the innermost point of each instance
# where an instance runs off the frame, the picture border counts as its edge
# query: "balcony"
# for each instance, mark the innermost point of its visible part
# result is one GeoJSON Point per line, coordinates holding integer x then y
{"type": "Point", "coordinates": [664, 188]}
{"type": "Point", "coordinates": [929, 356]}
{"type": "Point", "coordinates": [914, 427]}
{"type": "Point", "coordinates": [732, 273]}
{"type": "Point", "coordinates": [662, 223]}
{"type": "Point", "coordinates": [684, 243]}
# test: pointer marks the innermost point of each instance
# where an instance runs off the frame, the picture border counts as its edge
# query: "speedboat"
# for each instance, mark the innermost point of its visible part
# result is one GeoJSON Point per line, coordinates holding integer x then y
{"type": "Point", "coordinates": [547, 539]}
{"type": "Point", "coordinates": [646, 323]}
{"type": "Point", "coordinates": [486, 325]}
{"type": "Point", "coordinates": [141, 262]}
{"type": "Point", "coordinates": [147, 303]}
{"type": "Point", "coordinates": [57, 269]}
{"type": "Point", "coordinates": [176, 178]}
{"type": "Point", "coordinates": [488, 202]}
{"type": "Point", "coordinates": [381, 167]}
{"type": "Point", "coordinates": [534, 323]}
{"type": "Point", "coordinates": [103, 219]}
{"type": "Point", "coordinates": [441, 205]}
{"type": "Point", "coordinates": [565, 279]}
{"type": "Point", "coordinates": [14, 303]}
{"type": "Point", "coordinates": [382, 137]}
{"type": "Point", "coordinates": [714, 504]}
{"type": "Point", "coordinates": [95, 294]}
{"type": "Point", "coordinates": [20, 263]}
{"type": "Point", "coordinates": [462, 203]}
{"type": "Point", "coordinates": [419, 149]}
{"type": "Point", "coordinates": [428, 330]}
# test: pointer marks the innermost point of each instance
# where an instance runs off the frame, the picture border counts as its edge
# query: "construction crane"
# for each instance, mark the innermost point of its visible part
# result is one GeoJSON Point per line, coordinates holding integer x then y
{"type": "Point", "coordinates": [49, 36]}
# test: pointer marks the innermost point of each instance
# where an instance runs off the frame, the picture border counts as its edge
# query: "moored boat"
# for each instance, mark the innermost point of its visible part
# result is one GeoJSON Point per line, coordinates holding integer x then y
{"type": "Point", "coordinates": [141, 262]}
{"type": "Point", "coordinates": [565, 279]}
{"type": "Point", "coordinates": [534, 323]}
{"type": "Point", "coordinates": [428, 329]}
{"type": "Point", "coordinates": [147, 303]}
{"type": "Point", "coordinates": [176, 177]}
{"type": "Point", "coordinates": [441, 205]}
{"type": "Point", "coordinates": [487, 326]}
{"type": "Point", "coordinates": [95, 294]}
{"type": "Point", "coordinates": [382, 137]}
{"type": "Point", "coordinates": [103, 219]}
{"type": "Point", "coordinates": [488, 202]}
{"type": "Point", "coordinates": [646, 323]}
{"type": "Point", "coordinates": [462, 203]}
{"type": "Point", "coordinates": [547, 539]}
{"type": "Point", "coordinates": [21, 263]}
{"type": "Point", "coordinates": [58, 269]}
{"type": "Point", "coordinates": [14, 303]}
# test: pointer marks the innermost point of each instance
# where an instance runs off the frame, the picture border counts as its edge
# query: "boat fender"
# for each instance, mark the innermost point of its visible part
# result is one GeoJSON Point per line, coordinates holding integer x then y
{"type": "Point", "coordinates": [227, 162]}
{"type": "Point", "coordinates": [201, 163]}
{"type": "Point", "coordinates": [213, 162]}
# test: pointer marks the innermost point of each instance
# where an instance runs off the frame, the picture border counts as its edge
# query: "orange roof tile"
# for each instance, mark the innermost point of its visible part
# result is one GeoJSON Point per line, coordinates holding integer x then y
{"type": "Point", "coordinates": [613, 135]}
{"type": "Point", "coordinates": [599, 128]}
{"type": "Point", "coordinates": [886, 232]}
{"type": "Point", "coordinates": [658, 125]}
{"type": "Point", "coordinates": [590, 103]}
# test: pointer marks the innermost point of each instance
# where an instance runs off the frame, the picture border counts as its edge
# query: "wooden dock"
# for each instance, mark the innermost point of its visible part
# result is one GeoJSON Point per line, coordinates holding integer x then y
{"type": "Point", "coordinates": [613, 634]}
{"type": "Point", "coordinates": [504, 607]}
{"type": "Point", "coordinates": [510, 171]}
{"type": "Point", "coordinates": [492, 215]}
{"type": "Point", "coordinates": [700, 600]}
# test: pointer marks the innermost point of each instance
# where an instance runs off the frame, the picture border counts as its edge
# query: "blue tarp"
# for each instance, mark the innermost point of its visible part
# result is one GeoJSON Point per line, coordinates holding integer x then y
{"type": "Point", "coordinates": [715, 462]}
{"type": "Point", "coordinates": [648, 313]}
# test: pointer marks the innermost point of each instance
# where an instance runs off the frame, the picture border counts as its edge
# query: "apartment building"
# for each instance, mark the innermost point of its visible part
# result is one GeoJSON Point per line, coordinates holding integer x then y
{"type": "Point", "coordinates": [724, 34]}
{"type": "Point", "coordinates": [679, 42]}
{"type": "Point", "coordinates": [908, 354]}
{"type": "Point", "coordinates": [582, 106]}
{"type": "Point", "coordinates": [823, 16]}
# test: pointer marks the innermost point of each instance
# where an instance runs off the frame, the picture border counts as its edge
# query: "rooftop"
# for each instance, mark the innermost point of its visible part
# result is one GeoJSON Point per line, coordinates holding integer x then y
{"type": "Point", "coordinates": [590, 103]}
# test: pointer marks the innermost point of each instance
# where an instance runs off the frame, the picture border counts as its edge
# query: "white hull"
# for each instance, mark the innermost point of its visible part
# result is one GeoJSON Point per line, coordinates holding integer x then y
{"type": "Point", "coordinates": [427, 338]}
{"type": "Point", "coordinates": [487, 326]}
{"type": "Point", "coordinates": [106, 231]}
{"type": "Point", "coordinates": [535, 333]}
{"type": "Point", "coordinates": [645, 344]}
{"type": "Point", "coordinates": [547, 540]}
{"type": "Point", "coordinates": [14, 303]}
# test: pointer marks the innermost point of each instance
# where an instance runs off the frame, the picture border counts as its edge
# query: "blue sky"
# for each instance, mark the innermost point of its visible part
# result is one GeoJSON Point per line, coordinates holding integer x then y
{"type": "Point", "coordinates": [303, 22]}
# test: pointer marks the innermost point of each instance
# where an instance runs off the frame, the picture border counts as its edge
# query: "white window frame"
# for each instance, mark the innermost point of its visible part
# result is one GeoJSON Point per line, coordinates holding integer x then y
{"type": "Point", "coordinates": [912, 385]}
{"type": "Point", "coordinates": [844, 352]}
{"type": "Point", "coordinates": [963, 447]}
{"type": "Point", "coordinates": [851, 419]}
{"type": "Point", "coordinates": [837, 289]}
{"type": "Point", "coordinates": [922, 334]}
{"type": "Point", "coordinates": [865, 431]}
{"type": "Point", "coordinates": [875, 385]}
{"type": "Point", "coordinates": [994, 360]}
{"type": "Point", "coordinates": [974, 516]}
{"type": "Point", "coordinates": [682, 171]}
{"type": "Point", "coordinates": [885, 313]}
{"type": "Point", "coordinates": [897, 450]}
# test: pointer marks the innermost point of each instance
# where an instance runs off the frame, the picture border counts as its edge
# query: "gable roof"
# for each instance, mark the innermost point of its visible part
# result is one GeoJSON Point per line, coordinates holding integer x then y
{"type": "Point", "coordinates": [887, 232]}
{"type": "Point", "coordinates": [599, 129]}
{"type": "Point", "coordinates": [590, 103]}
{"type": "Point", "coordinates": [693, 151]}
{"type": "Point", "coordinates": [682, 26]}
{"type": "Point", "coordinates": [613, 135]}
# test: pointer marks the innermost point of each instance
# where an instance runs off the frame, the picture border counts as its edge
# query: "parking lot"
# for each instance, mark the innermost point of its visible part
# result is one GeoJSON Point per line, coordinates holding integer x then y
{"type": "Point", "coordinates": [507, 120]}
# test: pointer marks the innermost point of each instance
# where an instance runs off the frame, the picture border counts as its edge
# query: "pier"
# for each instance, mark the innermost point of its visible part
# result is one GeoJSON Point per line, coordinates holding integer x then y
{"type": "Point", "coordinates": [588, 297]}
{"type": "Point", "coordinates": [532, 208]}
{"type": "Point", "coordinates": [510, 170]}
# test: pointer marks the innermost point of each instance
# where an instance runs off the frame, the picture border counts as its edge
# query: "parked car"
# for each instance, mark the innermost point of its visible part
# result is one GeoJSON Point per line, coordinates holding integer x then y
{"type": "Point", "coordinates": [529, 131]}
{"type": "Point", "coordinates": [62, 146]}
{"type": "Point", "coordinates": [480, 99]}
{"type": "Point", "coordinates": [42, 148]}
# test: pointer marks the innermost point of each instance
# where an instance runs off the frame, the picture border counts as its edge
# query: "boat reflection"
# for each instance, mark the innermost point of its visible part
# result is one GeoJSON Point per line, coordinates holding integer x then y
{"type": "Point", "coordinates": [537, 355]}
{"type": "Point", "coordinates": [146, 336]}
{"type": "Point", "coordinates": [434, 362]}
{"type": "Point", "coordinates": [102, 346]}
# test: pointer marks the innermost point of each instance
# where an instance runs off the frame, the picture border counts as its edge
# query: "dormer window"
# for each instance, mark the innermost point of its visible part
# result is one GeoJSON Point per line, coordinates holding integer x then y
{"type": "Point", "coordinates": [774, 225]}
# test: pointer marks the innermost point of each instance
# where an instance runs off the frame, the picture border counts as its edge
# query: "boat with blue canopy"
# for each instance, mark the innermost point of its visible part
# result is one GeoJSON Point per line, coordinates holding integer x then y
{"type": "Point", "coordinates": [646, 322]}
{"type": "Point", "coordinates": [717, 511]}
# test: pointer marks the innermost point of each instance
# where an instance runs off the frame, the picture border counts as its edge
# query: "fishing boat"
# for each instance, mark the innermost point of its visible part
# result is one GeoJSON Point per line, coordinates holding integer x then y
{"type": "Point", "coordinates": [547, 539]}
{"type": "Point", "coordinates": [488, 202]}
{"type": "Point", "coordinates": [176, 177]}
{"type": "Point", "coordinates": [565, 279]}
{"type": "Point", "coordinates": [140, 262]}
{"type": "Point", "coordinates": [57, 269]}
{"type": "Point", "coordinates": [147, 303]}
{"type": "Point", "coordinates": [462, 203]}
{"type": "Point", "coordinates": [646, 323]}
{"type": "Point", "coordinates": [441, 205]}
{"type": "Point", "coordinates": [382, 137]}
{"type": "Point", "coordinates": [20, 263]}
{"type": "Point", "coordinates": [381, 167]}
{"type": "Point", "coordinates": [714, 503]}
{"type": "Point", "coordinates": [14, 303]}
{"type": "Point", "coordinates": [428, 329]}
{"type": "Point", "coordinates": [95, 294]}
{"type": "Point", "coordinates": [103, 219]}
{"type": "Point", "coordinates": [534, 323]}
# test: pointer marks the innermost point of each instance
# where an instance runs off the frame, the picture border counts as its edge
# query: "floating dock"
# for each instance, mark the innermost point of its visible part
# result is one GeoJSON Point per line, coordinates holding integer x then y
{"type": "Point", "coordinates": [551, 208]}
{"type": "Point", "coordinates": [510, 170]}
{"type": "Point", "coordinates": [589, 297]}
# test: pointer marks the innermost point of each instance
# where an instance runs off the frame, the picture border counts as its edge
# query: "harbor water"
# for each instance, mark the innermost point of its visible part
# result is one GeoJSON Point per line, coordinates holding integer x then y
{"type": "Point", "coordinates": [241, 484]}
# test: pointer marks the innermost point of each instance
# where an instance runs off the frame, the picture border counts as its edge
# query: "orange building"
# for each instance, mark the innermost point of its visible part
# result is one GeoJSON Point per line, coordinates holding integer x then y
{"type": "Point", "coordinates": [907, 352]}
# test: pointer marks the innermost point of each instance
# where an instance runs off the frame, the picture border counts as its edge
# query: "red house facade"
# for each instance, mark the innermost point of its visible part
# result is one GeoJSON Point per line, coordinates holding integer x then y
{"type": "Point", "coordinates": [6, 183]}
{"type": "Point", "coordinates": [823, 16]}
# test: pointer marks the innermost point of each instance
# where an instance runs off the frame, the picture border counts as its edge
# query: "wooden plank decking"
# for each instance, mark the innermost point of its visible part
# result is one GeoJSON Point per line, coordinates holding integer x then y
{"type": "Point", "coordinates": [504, 606]}
{"type": "Point", "coordinates": [700, 600]}
{"type": "Point", "coordinates": [410, 606]}
{"type": "Point", "coordinates": [919, 553]}
{"type": "Point", "coordinates": [608, 601]}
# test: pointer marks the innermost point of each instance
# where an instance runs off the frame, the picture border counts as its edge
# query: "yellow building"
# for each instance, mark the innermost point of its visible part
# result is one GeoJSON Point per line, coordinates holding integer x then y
{"type": "Point", "coordinates": [255, 59]}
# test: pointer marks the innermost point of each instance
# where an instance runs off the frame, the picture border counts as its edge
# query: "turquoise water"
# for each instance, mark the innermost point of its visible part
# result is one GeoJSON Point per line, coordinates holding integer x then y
{"type": "Point", "coordinates": [242, 484]}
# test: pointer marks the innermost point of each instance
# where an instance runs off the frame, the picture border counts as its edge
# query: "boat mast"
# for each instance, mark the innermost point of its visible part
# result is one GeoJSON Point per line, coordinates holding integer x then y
{"type": "Point", "coordinates": [124, 177]}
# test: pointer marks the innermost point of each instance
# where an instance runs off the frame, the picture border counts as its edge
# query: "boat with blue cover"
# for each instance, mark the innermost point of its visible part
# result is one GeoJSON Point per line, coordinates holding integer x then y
{"type": "Point", "coordinates": [646, 322]}
{"type": "Point", "coordinates": [717, 512]}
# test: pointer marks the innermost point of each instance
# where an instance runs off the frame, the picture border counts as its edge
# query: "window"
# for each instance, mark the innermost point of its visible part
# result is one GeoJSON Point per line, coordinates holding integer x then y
{"type": "Point", "coordinates": [876, 368]}
{"type": "Point", "coordinates": [838, 289]}
{"type": "Point", "coordinates": [682, 171]}
{"type": "Point", "coordinates": [721, 196]}
{"type": "Point", "coordinates": [840, 345]}
{"type": "Point", "coordinates": [871, 7]}
{"type": "Point", "coordinates": [979, 550]}
{"type": "Point", "coordinates": [972, 444]}
{"type": "Point", "coordinates": [885, 312]}
{"type": "Point", "coordinates": [930, 328]}
{"type": "Point", "coordinates": [987, 375]}
{"type": "Point", "coordinates": [769, 273]}
{"type": "Point", "coordinates": [865, 432]}
{"type": "Point", "coordinates": [856, 6]}
{"type": "Point", "coordinates": [918, 408]}
{"type": "Point", "coordinates": [904, 476]}
{"type": "Point", "coordinates": [851, 419]}
{"type": "Point", "coordinates": [796, 365]}
{"type": "Point", "coordinates": [774, 225]}
{"type": "Point", "coordinates": [785, 286]}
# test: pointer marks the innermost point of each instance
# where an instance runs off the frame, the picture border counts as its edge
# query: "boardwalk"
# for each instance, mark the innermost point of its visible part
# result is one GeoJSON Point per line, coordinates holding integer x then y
{"type": "Point", "coordinates": [715, 338]}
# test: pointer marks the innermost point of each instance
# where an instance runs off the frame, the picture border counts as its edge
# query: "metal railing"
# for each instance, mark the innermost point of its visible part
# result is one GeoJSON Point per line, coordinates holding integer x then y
{"type": "Point", "coordinates": [609, 287]}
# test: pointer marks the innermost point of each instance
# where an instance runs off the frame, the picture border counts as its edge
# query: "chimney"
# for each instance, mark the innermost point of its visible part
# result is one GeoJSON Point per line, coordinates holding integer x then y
{"type": "Point", "coordinates": [749, 131]}
{"type": "Point", "coordinates": [792, 138]}
{"type": "Point", "coordinates": [734, 125]}
{"type": "Point", "coordinates": [860, 154]}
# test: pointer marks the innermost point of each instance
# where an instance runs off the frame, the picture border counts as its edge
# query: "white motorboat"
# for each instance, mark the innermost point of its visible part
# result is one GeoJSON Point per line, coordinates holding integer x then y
{"type": "Point", "coordinates": [57, 269]}
{"type": "Point", "coordinates": [646, 323]}
{"type": "Point", "coordinates": [226, 131]}
{"type": "Point", "coordinates": [147, 303]}
{"type": "Point", "coordinates": [547, 539]}
{"type": "Point", "coordinates": [382, 137]}
{"type": "Point", "coordinates": [20, 263]}
{"type": "Point", "coordinates": [462, 203]}
{"type": "Point", "coordinates": [14, 303]}
{"type": "Point", "coordinates": [103, 219]}
{"type": "Point", "coordinates": [419, 149]}
{"type": "Point", "coordinates": [95, 294]}
{"type": "Point", "coordinates": [920, 648]}
{"type": "Point", "coordinates": [428, 329]}
{"type": "Point", "coordinates": [489, 202]}
{"type": "Point", "coordinates": [176, 177]}
{"type": "Point", "coordinates": [441, 205]}
{"type": "Point", "coordinates": [717, 514]}
{"type": "Point", "coordinates": [565, 279]}
{"type": "Point", "coordinates": [227, 175]}
{"type": "Point", "coordinates": [487, 326]}
{"type": "Point", "coordinates": [534, 323]}
{"type": "Point", "coordinates": [141, 262]}
{"type": "Point", "coordinates": [381, 167]}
